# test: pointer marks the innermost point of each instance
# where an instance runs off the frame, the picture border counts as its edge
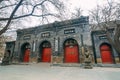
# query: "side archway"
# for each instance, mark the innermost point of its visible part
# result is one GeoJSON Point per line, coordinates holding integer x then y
{"type": "Point", "coordinates": [106, 53]}
{"type": "Point", "coordinates": [71, 51]}
{"type": "Point", "coordinates": [25, 52]}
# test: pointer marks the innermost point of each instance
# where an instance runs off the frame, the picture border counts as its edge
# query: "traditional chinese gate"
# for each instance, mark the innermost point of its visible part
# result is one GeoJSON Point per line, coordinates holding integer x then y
{"type": "Point", "coordinates": [71, 53]}
{"type": "Point", "coordinates": [46, 52]}
{"type": "Point", "coordinates": [106, 53]}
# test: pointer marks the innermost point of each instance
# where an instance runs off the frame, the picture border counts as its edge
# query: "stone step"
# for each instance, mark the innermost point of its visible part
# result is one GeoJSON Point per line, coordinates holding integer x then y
{"type": "Point", "coordinates": [70, 65]}
{"type": "Point", "coordinates": [107, 65]}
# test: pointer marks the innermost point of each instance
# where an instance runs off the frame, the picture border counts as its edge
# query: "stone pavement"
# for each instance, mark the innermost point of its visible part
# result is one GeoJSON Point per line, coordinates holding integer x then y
{"type": "Point", "coordinates": [43, 71]}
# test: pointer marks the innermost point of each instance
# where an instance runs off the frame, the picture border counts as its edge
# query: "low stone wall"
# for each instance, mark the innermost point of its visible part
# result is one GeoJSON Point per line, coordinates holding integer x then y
{"type": "Point", "coordinates": [57, 59]}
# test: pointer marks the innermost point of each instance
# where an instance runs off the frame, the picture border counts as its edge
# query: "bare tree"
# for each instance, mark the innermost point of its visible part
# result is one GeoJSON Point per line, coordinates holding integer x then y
{"type": "Point", "coordinates": [106, 17]}
{"type": "Point", "coordinates": [11, 10]}
{"type": "Point", "coordinates": [77, 13]}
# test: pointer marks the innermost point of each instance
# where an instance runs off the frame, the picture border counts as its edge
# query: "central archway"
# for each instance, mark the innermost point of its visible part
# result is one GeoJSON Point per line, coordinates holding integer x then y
{"type": "Point", "coordinates": [106, 53]}
{"type": "Point", "coordinates": [45, 50]}
{"type": "Point", "coordinates": [71, 52]}
{"type": "Point", "coordinates": [25, 49]}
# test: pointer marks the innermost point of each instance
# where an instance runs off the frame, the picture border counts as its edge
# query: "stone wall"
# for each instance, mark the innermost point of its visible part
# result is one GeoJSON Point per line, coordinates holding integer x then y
{"type": "Point", "coordinates": [55, 33]}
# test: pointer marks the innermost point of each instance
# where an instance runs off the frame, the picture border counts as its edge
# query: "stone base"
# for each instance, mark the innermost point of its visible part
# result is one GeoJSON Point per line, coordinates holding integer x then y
{"type": "Point", "coordinates": [5, 63]}
{"type": "Point", "coordinates": [33, 60]}
{"type": "Point", "coordinates": [56, 59]}
{"type": "Point", "coordinates": [99, 60]}
{"type": "Point", "coordinates": [117, 60]}
{"type": "Point", "coordinates": [88, 65]}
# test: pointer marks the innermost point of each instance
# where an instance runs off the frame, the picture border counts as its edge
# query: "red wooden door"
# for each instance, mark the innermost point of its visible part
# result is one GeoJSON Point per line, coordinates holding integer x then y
{"type": "Point", "coordinates": [26, 55]}
{"type": "Point", "coordinates": [106, 54]}
{"type": "Point", "coordinates": [46, 55]}
{"type": "Point", "coordinates": [71, 54]}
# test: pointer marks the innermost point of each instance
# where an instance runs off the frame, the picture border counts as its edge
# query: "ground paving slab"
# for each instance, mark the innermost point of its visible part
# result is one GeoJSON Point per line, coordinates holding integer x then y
{"type": "Point", "coordinates": [44, 71]}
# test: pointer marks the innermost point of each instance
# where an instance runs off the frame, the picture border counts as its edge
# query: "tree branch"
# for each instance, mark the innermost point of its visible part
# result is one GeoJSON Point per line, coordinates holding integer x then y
{"type": "Point", "coordinates": [30, 14]}
{"type": "Point", "coordinates": [11, 16]}
{"type": "Point", "coordinates": [1, 1]}
{"type": "Point", "coordinates": [26, 15]}
{"type": "Point", "coordinates": [8, 6]}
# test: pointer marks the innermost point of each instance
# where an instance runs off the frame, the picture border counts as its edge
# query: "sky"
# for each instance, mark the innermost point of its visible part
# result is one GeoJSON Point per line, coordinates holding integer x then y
{"type": "Point", "coordinates": [85, 5]}
{"type": "Point", "coordinates": [70, 5]}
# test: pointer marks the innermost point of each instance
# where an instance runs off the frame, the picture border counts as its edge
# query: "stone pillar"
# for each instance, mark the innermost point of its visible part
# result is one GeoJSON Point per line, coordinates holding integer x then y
{"type": "Point", "coordinates": [33, 54]}
{"type": "Point", "coordinates": [55, 58]}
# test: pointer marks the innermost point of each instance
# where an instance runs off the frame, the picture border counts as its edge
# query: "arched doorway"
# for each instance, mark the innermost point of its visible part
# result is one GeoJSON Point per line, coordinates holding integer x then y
{"type": "Point", "coordinates": [45, 50]}
{"type": "Point", "coordinates": [106, 53]}
{"type": "Point", "coordinates": [25, 49]}
{"type": "Point", "coordinates": [71, 52]}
